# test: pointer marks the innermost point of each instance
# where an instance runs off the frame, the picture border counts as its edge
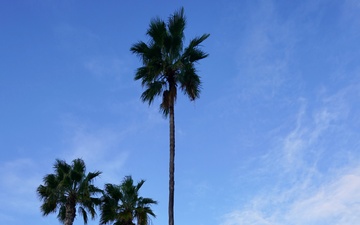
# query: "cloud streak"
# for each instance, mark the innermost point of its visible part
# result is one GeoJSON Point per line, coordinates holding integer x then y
{"type": "Point", "coordinates": [306, 186]}
{"type": "Point", "coordinates": [335, 202]}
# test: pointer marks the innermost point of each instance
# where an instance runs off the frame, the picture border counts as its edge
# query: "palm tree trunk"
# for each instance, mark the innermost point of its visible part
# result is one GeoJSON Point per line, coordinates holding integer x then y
{"type": "Point", "coordinates": [171, 165]}
{"type": "Point", "coordinates": [70, 211]}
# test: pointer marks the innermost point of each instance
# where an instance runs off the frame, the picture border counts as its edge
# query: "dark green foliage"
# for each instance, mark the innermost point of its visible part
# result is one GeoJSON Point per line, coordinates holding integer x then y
{"type": "Point", "coordinates": [67, 188]}
{"type": "Point", "coordinates": [122, 205]}
{"type": "Point", "coordinates": [166, 64]}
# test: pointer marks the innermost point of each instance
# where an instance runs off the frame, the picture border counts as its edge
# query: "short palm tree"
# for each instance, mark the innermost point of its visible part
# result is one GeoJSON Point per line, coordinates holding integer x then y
{"type": "Point", "coordinates": [122, 205]}
{"type": "Point", "coordinates": [167, 65]}
{"type": "Point", "coordinates": [68, 188]}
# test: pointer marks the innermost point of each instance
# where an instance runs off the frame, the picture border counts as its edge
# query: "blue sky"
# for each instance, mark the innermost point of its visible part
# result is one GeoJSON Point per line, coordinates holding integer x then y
{"type": "Point", "coordinates": [273, 140]}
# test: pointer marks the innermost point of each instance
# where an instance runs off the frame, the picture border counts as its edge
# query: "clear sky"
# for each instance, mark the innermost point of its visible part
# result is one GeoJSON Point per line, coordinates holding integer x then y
{"type": "Point", "coordinates": [273, 140]}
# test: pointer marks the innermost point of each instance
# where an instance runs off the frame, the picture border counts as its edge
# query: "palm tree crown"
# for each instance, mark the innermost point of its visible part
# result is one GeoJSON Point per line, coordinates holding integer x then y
{"type": "Point", "coordinates": [67, 188]}
{"type": "Point", "coordinates": [166, 63]}
{"type": "Point", "coordinates": [121, 204]}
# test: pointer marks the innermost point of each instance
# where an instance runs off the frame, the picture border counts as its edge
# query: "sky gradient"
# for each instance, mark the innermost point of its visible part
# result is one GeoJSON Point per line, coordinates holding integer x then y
{"type": "Point", "coordinates": [273, 140]}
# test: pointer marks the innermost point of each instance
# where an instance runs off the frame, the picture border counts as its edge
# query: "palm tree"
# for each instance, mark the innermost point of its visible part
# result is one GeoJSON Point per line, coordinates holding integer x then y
{"type": "Point", "coordinates": [167, 65]}
{"type": "Point", "coordinates": [121, 204]}
{"type": "Point", "coordinates": [68, 188]}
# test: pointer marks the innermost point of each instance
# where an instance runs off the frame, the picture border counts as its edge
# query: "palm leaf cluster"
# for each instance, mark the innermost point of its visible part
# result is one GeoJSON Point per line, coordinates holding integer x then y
{"type": "Point", "coordinates": [69, 190]}
{"type": "Point", "coordinates": [166, 63]}
{"type": "Point", "coordinates": [122, 204]}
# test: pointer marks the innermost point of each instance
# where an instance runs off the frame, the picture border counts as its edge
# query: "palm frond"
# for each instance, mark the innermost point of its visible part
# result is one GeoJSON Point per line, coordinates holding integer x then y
{"type": "Point", "coordinates": [49, 206]}
{"type": "Point", "coordinates": [62, 213]}
{"type": "Point", "coordinates": [49, 188]}
{"type": "Point", "coordinates": [153, 66]}
{"type": "Point", "coordinates": [108, 208]}
{"type": "Point", "coordinates": [42, 192]}
{"type": "Point", "coordinates": [198, 40]}
{"type": "Point", "coordinates": [78, 165]}
{"type": "Point", "coordinates": [177, 23]}
{"type": "Point", "coordinates": [77, 172]}
{"type": "Point", "coordinates": [51, 181]}
{"type": "Point", "coordinates": [91, 175]}
{"type": "Point", "coordinates": [193, 53]}
{"type": "Point", "coordinates": [139, 185]}
{"type": "Point", "coordinates": [113, 191]}
{"type": "Point", "coordinates": [157, 31]}
{"type": "Point", "coordinates": [176, 27]}
{"type": "Point", "coordinates": [190, 82]}
{"type": "Point", "coordinates": [83, 213]}
{"type": "Point", "coordinates": [61, 168]}
{"type": "Point", "coordinates": [147, 201]}
{"type": "Point", "coordinates": [142, 50]}
{"type": "Point", "coordinates": [153, 89]}
{"type": "Point", "coordinates": [147, 74]}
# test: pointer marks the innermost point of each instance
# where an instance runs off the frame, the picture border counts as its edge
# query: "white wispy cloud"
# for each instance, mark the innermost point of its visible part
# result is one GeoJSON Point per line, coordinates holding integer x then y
{"type": "Point", "coordinates": [335, 202]}
{"type": "Point", "coordinates": [310, 174]}
{"type": "Point", "coordinates": [307, 188]}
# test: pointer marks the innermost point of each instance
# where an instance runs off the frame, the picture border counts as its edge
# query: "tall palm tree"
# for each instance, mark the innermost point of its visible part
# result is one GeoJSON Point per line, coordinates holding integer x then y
{"type": "Point", "coordinates": [121, 204]}
{"type": "Point", "coordinates": [167, 65]}
{"type": "Point", "coordinates": [68, 188]}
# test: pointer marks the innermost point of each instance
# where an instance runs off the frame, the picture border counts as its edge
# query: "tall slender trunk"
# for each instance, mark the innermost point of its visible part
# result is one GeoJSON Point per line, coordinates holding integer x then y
{"type": "Point", "coordinates": [171, 165]}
